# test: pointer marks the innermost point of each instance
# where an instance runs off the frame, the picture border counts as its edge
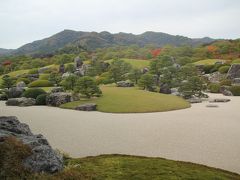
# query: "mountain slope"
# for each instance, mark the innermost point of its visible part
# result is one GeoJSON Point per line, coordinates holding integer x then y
{"type": "Point", "coordinates": [93, 40]}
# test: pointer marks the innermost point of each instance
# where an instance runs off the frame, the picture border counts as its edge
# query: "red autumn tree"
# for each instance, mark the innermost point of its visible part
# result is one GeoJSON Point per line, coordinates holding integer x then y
{"type": "Point", "coordinates": [156, 52]}
{"type": "Point", "coordinates": [6, 63]}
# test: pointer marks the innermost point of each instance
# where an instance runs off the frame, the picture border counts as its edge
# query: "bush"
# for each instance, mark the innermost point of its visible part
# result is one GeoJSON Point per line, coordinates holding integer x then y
{"type": "Point", "coordinates": [235, 90]}
{"type": "Point", "coordinates": [226, 82]}
{"type": "Point", "coordinates": [33, 93]}
{"type": "Point", "coordinates": [40, 83]}
{"type": "Point", "coordinates": [207, 68]}
{"type": "Point", "coordinates": [25, 80]}
{"type": "Point", "coordinates": [214, 88]}
{"type": "Point", "coordinates": [41, 99]}
{"type": "Point", "coordinates": [104, 78]}
{"type": "Point", "coordinates": [44, 76]}
{"type": "Point", "coordinates": [33, 71]}
{"type": "Point", "coordinates": [223, 69]}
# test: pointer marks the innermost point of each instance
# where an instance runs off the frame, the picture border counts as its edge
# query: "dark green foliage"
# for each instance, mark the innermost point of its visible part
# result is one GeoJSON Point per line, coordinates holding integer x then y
{"type": "Point", "coordinates": [214, 87]}
{"type": "Point", "coordinates": [135, 75]}
{"type": "Point", "coordinates": [55, 78]}
{"type": "Point", "coordinates": [70, 68]}
{"type": "Point", "coordinates": [40, 83]}
{"type": "Point", "coordinates": [104, 78]}
{"type": "Point", "coordinates": [223, 69]}
{"type": "Point", "coordinates": [7, 82]}
{"type": "Point", "coordinates": [193, 86]}
{"type": "Point", "coordinates": [87, 86]}
{"type": "Point", "coordinates": [207, 68]}
{"type": "Point", "coordinates": [147, 82]}
{"type": "Point", "coordinates": [118, 70]}
{"type": "Point", "coordinates": [41, 99]}
{"type": "Point", "coordinates": [235, 90]}
{"type": "Point", "coordinates": [69, 82]}
{"type": "Point", "coordinates": [33, 93]}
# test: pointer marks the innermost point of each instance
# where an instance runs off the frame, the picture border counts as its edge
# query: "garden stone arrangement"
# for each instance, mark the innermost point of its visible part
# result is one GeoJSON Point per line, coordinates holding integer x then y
{"type": "Point", "coordinates": [43, 158]}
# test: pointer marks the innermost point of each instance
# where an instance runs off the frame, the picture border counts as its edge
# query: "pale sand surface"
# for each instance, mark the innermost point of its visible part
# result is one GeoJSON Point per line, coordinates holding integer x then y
{"type": "Point", "coordinates": [209, 136]}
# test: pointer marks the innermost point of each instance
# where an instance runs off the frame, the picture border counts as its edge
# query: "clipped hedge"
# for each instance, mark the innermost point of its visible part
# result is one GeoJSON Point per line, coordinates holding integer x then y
{"type": "Point", "coordinates": [235, 90]}
{"type": "Point", "coordinates": [25, 80]}
{"type": "Point", "coordinates": [226, 82]}
{"type": "Point", "coordinates": [33, 71]}
{"type": "Point", "coordinates": [41, 99]}
{"type": "Point", "coordinates": [40, 83]}
{"type": "Point", "coordinates": [33, 93]}
{"type": "Point", "coordinates": [214, 88]}
{"type": "Point", "coordinates": [44, 76]}
{"type": "Point", "coordinates": [223, 69]}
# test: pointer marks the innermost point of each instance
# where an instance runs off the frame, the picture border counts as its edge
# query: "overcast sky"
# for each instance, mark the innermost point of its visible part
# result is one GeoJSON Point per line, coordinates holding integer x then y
{"type": "Point", "coordinates": [23, 21]}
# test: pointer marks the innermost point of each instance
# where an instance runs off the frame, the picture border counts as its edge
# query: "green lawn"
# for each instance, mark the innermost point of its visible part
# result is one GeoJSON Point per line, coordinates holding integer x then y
{"type": "Point", "coordinates": [136, 63]}
{"type": "Point", "coordinates": [123, 167]}
{"type": "Point", "coordinates": [236, 61]}
{"type": "Point", "coordinates": [132, 100]}
{"type": "Point", "coordinates": [209, 61]}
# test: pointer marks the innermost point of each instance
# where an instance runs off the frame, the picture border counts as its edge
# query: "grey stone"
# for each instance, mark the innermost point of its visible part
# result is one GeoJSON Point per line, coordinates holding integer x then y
{"type": "Point", "coordinates": [219, 100]}
{"type": "Point", "coordinates": [21, 84]}
{"type": "Point", "coordinates": [165, 89]}
{"type": "Point", "coordinates": [125, 84]}
{"type": "Point", "coordinates": [215, 77]}
{"type": "Point", "coordinates": [15, 92]}
{"type": "Point", "coordinates": [56, 99]}
{"type": "Point", "coordinates": [43, 158]}
{"type": "Point", "coordinates": [78, 62]}
{"type": "Point", "coordinates": [62, 69]}
{"type": "Point", "coordinates": [23, 101]}
{"type": "Point", "coordinates": [194, 100]}
{"type": "Point", "coordinates": [234, 71]}
{"type": "Point", "coordinates": [236, 81]}
{"type": "Point", "coordinates": [87, 107]}
{"type": "Point", "coordinates": [3, 97]}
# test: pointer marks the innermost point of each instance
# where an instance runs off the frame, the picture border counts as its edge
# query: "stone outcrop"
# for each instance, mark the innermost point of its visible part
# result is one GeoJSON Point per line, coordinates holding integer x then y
{"type": "Point", "coordinates": [56, 99]}
{"type": "Point", "coordinates": [234, 71]}
{"type": "Point", "coordinates": [15, 92]}
{"type": "Point", "coordinates": [23, 101]}
{"type": "Point", "coordinates": [87, 107]}
{"type": "Point", "coordinates": [215, 77]}
{"type": "Point", "coordinates": [219, 100]}
{"type": "Point", "coordinates": [125, 84]}
{"type": "Point", "coordinates": [21, 84]}
{"type": "Point", "coordinates": [165, 89]}
{"type": "Point", "coordinates": [194, 100]}
{"type": "Point", "coordinates": [43, 158]}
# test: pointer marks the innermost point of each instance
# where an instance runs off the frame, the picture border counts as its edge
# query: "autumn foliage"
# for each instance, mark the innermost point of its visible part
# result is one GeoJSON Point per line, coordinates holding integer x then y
{"type": "Point", "coordinates": [156, 52]}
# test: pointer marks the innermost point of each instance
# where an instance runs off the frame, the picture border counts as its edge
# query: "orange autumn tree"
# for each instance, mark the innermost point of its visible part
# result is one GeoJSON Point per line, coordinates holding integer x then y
{"type": "Point", "coordinates": [156, 52]}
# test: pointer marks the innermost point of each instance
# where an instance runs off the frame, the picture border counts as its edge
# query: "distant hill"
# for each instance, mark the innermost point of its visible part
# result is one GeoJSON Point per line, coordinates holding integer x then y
{"type": "Point", "coordinates": [5, 51]}
{"type": "Point", "coordinates": [93, 40]}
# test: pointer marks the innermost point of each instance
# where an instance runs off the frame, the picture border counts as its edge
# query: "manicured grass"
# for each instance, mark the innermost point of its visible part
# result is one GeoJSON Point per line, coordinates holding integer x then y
{"type": "Point", "coordinates": [209, 61]}
{"type": "Point", "coordinates": [131, 167]}
{"type": "Point", "coordinates": [236, 61]}
{"type": "Point", "coordinates": [136, 63]}
{"type": "Point", "coordinates": [132, 100]}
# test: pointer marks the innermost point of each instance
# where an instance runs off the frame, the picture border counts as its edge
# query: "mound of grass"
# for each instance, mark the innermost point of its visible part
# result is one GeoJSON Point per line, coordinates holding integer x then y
{"type": "Point", "coordinates": [33, 93]}
{"type": "Point", "coordinates": [209, 61]}
{"type": "Point", "coordinates": [136, 63]}
{"type": "Point", "coordinates": [40, 83]}
{"type": "Point", "coordinates": [223, 69]}
{"type": "Point", "coordinates": [236, 61]}
{"type": "Point", "coordinates": [131, 100]}
{"type": "Point", "coordinates": [44, 76]}
{"type": "Point", "coordinates": [133, 167]}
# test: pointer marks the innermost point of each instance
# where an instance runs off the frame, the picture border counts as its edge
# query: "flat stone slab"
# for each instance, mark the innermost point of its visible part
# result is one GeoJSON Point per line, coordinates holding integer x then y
{"type": "Point", "coordinates": [87, 107]}
{"type": "Point", "coordinates": [194, 100]}
{"type": "Point", "coordinates": [219, 100]}
{"type": "Point", "coordinates": [212, 105]}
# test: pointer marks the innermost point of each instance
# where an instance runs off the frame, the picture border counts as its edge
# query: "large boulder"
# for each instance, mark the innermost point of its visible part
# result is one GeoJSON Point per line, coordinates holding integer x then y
{"type": "Point", "coordinates": [87, 107]}
{"type": "Point", "coordinates": [56, 99]}
{"type": "Point", "coordinates": [215, 77]}
{"type": "Point", "coordinates": [165, 89]}
{"type": "Point", "coordinates": [125, 84]}
{"type": "Point", "coordinates": [3, 97]}
{"type": "Point", "coordinates": [15, 92]}
{"type": "Point", "coordinates": [23, 101]}
{"type": "Point", "coordinates": [234, 71]}
{"type": "Point", "coordinates": [21, 84]}
{"type": "Point", "coordinates": [43, 158]}
{"type": "Point", "coordinates": [225, 91]}
{"type": "Point", "coordinates": [215, 100]}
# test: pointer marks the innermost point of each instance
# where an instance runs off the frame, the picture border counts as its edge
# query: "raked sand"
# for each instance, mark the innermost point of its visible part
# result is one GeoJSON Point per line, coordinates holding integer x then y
{"type": "Point", "coordinates": [209, 136]}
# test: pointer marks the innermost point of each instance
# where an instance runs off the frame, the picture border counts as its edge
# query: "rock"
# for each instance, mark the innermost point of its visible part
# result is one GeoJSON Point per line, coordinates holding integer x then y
{"type": "Point", "coordinates": [219, 100]}
{"type": "Point", "coordinates": [212, 105]}
{"type": "Point", "coordinates": [15, 92]}
{"type": "Point", "coordinates": [194, 100]}
{"type": "Point", "coordinates": [87, 107]}
{"type": "Point", "coordinates": [145, 70]}
{"type": "Point", "coordinates": [165, 89]}
{"type": "Point", "coordinates": [56, 99]}
{"type": "Point", "coordinates": [225, 91]}
{"type": "Point", "coordinates": [215, 77]}
{"type": "Point", "coordinates": [234, 71]}
{"type": "Point", "coordinates": [78, 62]}
{"type": "Point", "coordinates": [236, 81]}
{"type": "Point", "coordinates": [21, 84]}
{"type": "Point", "coordinates": [57, 89]}
{"type": "Point", "coordinates": [125, 84]}
{"type": "Point", "coordinates": [43, 157]}
{"type": "Point", "coordinates": [23, 101]}
{"type": "Point", "coordinates": [174, 91]}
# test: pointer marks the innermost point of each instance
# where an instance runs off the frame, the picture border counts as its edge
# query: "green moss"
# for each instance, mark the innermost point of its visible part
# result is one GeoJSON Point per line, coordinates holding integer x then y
{"type": "Point", "coordinates": [214, 88]}
{"type": "Point", "coordinates": [33, 93]}
{"type": "Point", "coordinates": [44, 76]}
{"type": "Point", "coordinates": [132, 100]}
{"type": "Point", "coordinates": [136, 63]}
{"type": "Point", "coordinates": [223, 69]}
{"type": "Point", "coordinates": [40, 83]}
